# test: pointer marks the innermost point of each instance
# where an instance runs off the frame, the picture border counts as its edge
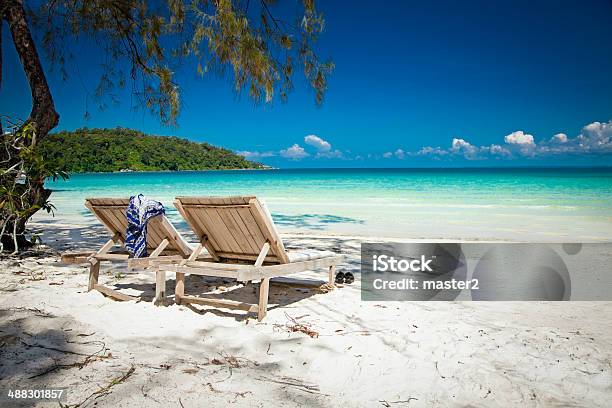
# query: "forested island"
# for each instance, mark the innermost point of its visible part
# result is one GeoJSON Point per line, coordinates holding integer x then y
{"type": "Point", "coordinates": [120, 149]}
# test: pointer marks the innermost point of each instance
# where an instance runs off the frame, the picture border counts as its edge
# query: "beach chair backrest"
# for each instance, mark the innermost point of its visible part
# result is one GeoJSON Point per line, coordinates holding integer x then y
{"type": "Point", "coordinates": [111, 213]}
{"type": "Point", "coordinates": [233, 228]}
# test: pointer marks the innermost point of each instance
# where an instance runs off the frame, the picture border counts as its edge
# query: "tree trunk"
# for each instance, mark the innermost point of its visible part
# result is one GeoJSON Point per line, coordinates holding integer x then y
{"type": "Point", "coordinates": [43, 110]}
{"type": "Point", "coordinates": [43, 113]}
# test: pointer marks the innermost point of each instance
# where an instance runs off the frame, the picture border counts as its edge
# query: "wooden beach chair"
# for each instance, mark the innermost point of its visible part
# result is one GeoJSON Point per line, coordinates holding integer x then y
{"type": "Point", "coordinates": [163, 243]}
{"type": "Point", "coordinates": [242, 242]}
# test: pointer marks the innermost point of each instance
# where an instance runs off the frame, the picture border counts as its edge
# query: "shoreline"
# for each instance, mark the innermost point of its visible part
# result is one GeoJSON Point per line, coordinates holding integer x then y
{"type": "Point", "coordinates": [500, 168]}
{"type": "Point", "coordinates": [167, 171]}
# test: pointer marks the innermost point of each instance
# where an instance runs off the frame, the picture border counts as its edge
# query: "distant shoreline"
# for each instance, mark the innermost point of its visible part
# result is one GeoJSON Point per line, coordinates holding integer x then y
{"type": "Point", "coordinates": [168, 171]}
{"type": "Point", "coordinates": [525, 168]}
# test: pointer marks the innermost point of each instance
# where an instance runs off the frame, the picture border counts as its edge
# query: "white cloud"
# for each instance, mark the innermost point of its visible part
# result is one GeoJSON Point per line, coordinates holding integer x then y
{"type": "Point", "coordinates": [519, 138]}
{"type": "Point", "coordinates": [559, 138]}
{"type": "Point", "coordinates": [295, 152]}
{"type": "Point", "coordinates": [435, 151]}
{"type": "Point", "coordinates": [596, 137]}
{"type": "Point", "coordinates": [255, 155]}
{"type": "Point", "coordinates": [318, 143]}
{"type": "Point", "coordinates": [332, 154]}
{"type": "Point", "coordinates": [498, 150]}
{"type": "Point", "coordinates": [461, 146]}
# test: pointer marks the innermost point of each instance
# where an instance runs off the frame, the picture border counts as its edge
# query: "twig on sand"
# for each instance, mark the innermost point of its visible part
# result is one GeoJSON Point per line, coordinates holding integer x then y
{"type": "Point", "coordinates": [439, 373]}
{"type": "Point", "coordinates": [242, 394]}
{"type": "Point", "coordinates": [144, 394]}
{"type": "Point", "coordinates": [294, 326]}
{"type": "Point", "coordinates": [106, 390]}
{"type": "Point", "coordinates": [53, 349]}
{"type": "Point", "coordinates": [293, 382]}
{"type": "Point", "coordinates": [80, 364]}
{"type": "Point", "coordinates": [35, 310]}
{"type": "Point", "coordinates": [388, 403]}
{"type": "Point", "coordinates": [232, 361]}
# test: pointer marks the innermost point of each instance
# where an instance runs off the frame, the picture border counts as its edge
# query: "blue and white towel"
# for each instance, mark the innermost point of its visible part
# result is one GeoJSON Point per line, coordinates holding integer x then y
{"type": "Point", "coordinates": [140, 210]}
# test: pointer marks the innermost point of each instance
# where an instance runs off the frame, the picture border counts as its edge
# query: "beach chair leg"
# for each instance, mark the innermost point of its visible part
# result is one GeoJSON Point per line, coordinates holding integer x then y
{"type": "Point", "coordinates": [264, 288]}
{"type": "Point", "coordinates": [160, 288]}
{"type": "Point", "coordinates": [332, 273]}
{"type": "Point", "coordinates": [179, 289]}
{"type": "Point", "coordinates": [94, 272]}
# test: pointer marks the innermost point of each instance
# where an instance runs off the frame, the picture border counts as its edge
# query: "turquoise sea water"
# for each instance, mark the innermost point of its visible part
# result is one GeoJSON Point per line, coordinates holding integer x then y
{"type": "Point", "coordinates": [516, 204]}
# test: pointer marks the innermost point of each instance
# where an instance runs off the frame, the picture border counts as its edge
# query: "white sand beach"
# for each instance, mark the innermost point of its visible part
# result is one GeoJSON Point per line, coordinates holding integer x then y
{"type": "Point", "coordinates": [53, 333]}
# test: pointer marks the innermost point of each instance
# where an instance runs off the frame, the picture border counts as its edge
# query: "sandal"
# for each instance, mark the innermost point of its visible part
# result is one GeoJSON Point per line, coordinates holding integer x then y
{"type": "Point", "coordinates": [349, 278]}
{"type": "Point", "coordinates": [340, 278]}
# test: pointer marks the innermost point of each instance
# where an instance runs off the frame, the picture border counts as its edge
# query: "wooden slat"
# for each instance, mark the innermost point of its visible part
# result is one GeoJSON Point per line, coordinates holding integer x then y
{"type": "Point", "coordinates": [111, 257]}
{"type": "Point", "coordinates": [222, 229]}
{"type": "Point", "coordinates": [145, 262]}
{"type": "Point", "coordinates": [222, 207]}
{"type": "Point", "coordinates": [160, 287]}
{"type": "Point", "coordinates": [218, 265]}
{"type": "Point", "coordinates": [108, 201]}
{"type": "Point", "coordinates": [118, 213]}
{"type": "Point", "coordinates": [110, 226]}
{"type": "Point", "coordinates": [202, 235]}
{"type": "Point", "coordinates": [113, 293]}
{"type": "Point", "coordinates": [154, 235]}
{"type": "Point", "coordinates": [190, 270]}
{"type": "Point", "coordinates": [117, 225]}
{"type": "Point", "coordinates": [162, 245]}
{"type": "Point", "coordinates": [262, 254]}
{"type": "Point", "coordinates": [204, 227]}
{"type": "Point", "coordinates": [228, 304]}
{"type": "Point", "coordinates": [94, 273]}
{"type": "Point", "coordinates": [262, 309]}
{"type": "Point", "coordinates": [244, 231]}
{"type": "Point", "coordinates": [302, 283]}
{"type": "Point", "coordinates": [211, 226]}
{"type": "Point", "coordinates": [288, 269]}
{"type": "Point", "coordinates": [257, 235]}
{"type": "Point", "coordinates": [214, 200]}
{"type": "Point", "coordinates": [177, 241]}
{"type": "Point", "coordinates": [269, 231]}
{"type": "Point", "coordinates": [218, 206]}
{"type": "Point", "coordinates": [70, 258]}
{"type": "Point", "coordinates": [254, 231]}
{"type": "Point", "coordinates": [179, 287]}
{"type": "Point", "coordinates": [194, 255]}
{"type": "Point", "coordinates": [234, 230]}
{"type": "Point", "coordinates": [240, 257]}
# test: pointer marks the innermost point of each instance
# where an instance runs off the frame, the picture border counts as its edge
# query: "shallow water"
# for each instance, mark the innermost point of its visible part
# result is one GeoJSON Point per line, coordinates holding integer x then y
{"type": "Point", "coordinates": [516, 204]}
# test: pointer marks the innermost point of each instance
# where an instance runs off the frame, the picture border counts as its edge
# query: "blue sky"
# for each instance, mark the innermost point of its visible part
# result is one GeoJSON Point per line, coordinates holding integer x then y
{"type": "Point", "coordinates": [416, 84]}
